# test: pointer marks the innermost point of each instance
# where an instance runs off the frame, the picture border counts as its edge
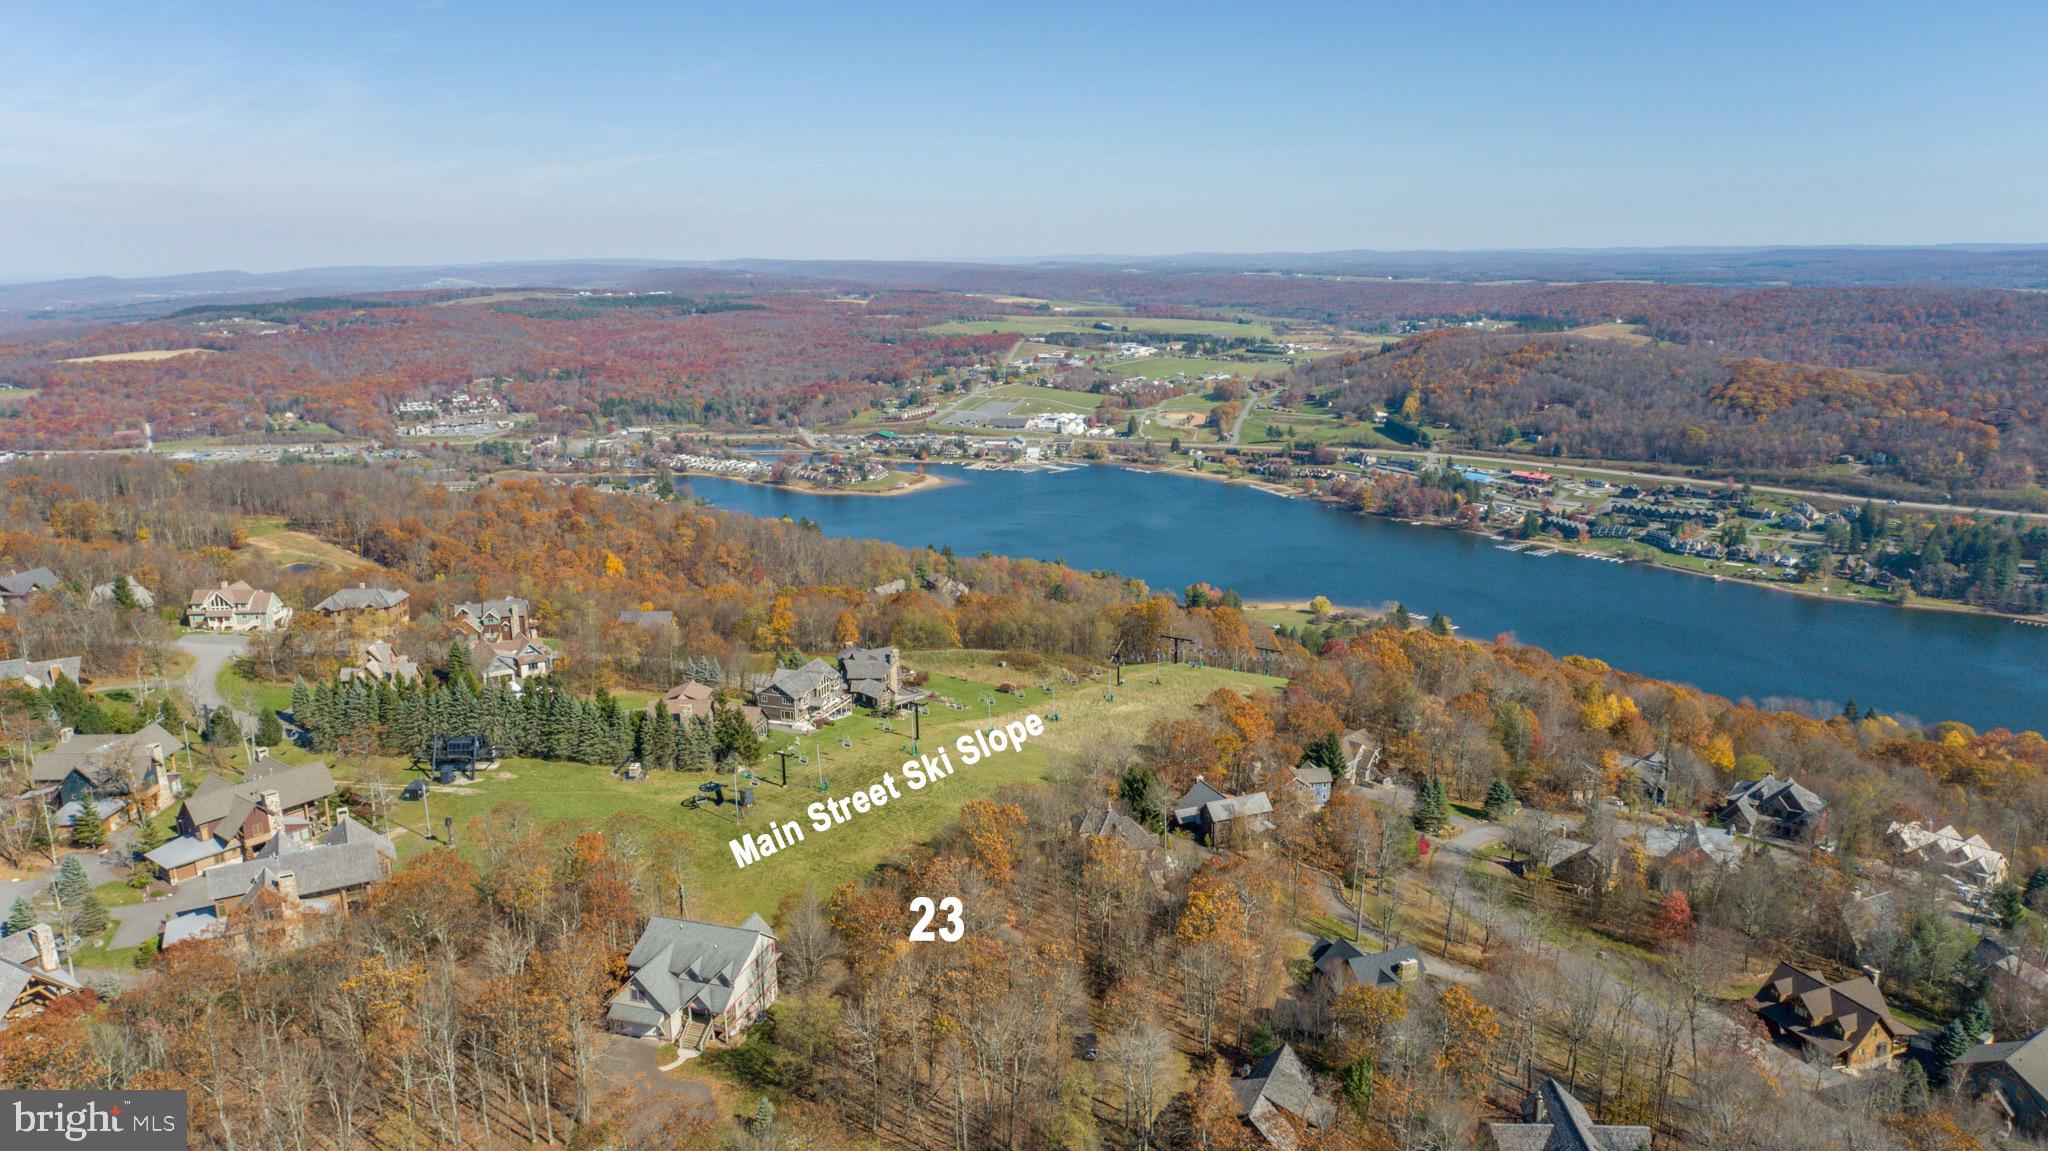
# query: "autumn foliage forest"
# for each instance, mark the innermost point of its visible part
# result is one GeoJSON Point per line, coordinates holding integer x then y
{"type": "Point", "coordinates": [781, 359]}
{"type": "Point", "coordinates": [1929, 388]}
{"type": "Point", "coordinates": [463, 1008]}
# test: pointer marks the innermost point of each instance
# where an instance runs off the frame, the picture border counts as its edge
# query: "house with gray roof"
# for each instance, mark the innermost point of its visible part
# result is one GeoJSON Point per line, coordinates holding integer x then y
{"type": "Point", "coordinates": [874, 676]}
{"type": "Point", "coordinates": [1694, 844]}
{"type": "Point", "coordinates": [1554, 1120]}
{"type": "Point", "coordinates": [2013, 1077]}
{"type": "Point", "coordinates": [21, 585]}
{"type": "Point", "coordinates": [1773, 808]}
{"type": "Point", "coordinates": [31, 975]}
{"type": "Point", "coordinates": [1279, 1096]}
{"type": "Point", "coordinates": [1337, 965]}
{"type": "Point", "coordinates": [143, 597]}
{"type": "Point", "coordinates": [1222, 822]}
{"type": "Point", "coordinates": [691, 981]}
{"type": "Point", "coordinates": [496, 620]}
{"type": "Point", "coordinates": [342, 863]}
{"type": "Point", "coordinates": [39, 673]}
{"type": "Point", "coordinates": [390, 603]}
{"type": "Point", "coordinates": [1188, 809]}
{"type": "Point", "coordinates": [117, 771]}
{"type": "Point", "coordinates": [223, 821]}
{"type": "Point", "coordinates": [801, 696]}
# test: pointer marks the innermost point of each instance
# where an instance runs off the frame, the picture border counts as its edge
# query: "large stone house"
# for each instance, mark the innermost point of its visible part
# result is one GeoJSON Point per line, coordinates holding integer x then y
{"type": "Point", "coordinates": [513, 661]}
{"type": "Point", "coordinates": [382, 663]}
{"type": "Point", "coordinates": [2013, 1077]}
{"type": "Point", "coordinates": [1969, 859]}
{"type": "Point", "coordinates": [1773, 808]}
{"type": "Point", "coordinates": [505, 647]}
{"type": "Point", "coordinates": [874, 676]}
{"type": "Point", "coordinates": [236, 607]}
{"type": "Point", "coordinates": [31, 975]}
{"type": "Point", "coordinates": [496, 619]}
{"type": "Point", "coordinates": [124, 775]}
{"type": "Point", "coordinates": [804, 695]}
{"type": "Point", "coordinates": [288, 881]}
{"type": "Point", "coordinates": [225, 822]}
{"type": "Point", "coordinates": [690, 981]}
{"type": "Point", "coordinates": [1554, 1120]}
{"type": "Point", "coordinates": [386, 605]}
{"type": "Point", "coordinates": [1847, 1024]}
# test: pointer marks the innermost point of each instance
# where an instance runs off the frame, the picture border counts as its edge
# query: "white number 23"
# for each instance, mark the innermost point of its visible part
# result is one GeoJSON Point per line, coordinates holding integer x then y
{"type": "Point", "coordinates": [953, 929]}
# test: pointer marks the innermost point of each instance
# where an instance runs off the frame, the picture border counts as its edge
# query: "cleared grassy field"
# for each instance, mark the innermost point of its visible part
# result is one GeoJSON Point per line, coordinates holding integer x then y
{"type": "Point", "coordinates": [583, 795]}
{"type": "Point", "coordinates": [1168, 367]}
{"type": "Point", "coordinates": [130, 357]}
{"type": "Point", "coordinates": [286, 546]}
{"type": "Point", "coordinates": [1119, 325]}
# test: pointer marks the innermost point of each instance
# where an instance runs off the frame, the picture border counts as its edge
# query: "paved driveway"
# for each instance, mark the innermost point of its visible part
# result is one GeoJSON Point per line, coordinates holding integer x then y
{"type": "Point", "coordinates": [210, 655]}
{"type": "Point", "coordinates": [647, 1097]}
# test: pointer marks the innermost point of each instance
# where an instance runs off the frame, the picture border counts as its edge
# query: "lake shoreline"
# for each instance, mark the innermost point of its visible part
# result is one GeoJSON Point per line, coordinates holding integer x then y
{"type": "Point", "coordinates": [1562, 546]}
{"type": "Point", "coordinates": [925, 482]}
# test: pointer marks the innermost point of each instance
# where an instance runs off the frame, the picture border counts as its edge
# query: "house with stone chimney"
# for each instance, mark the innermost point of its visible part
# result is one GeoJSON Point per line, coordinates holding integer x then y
{"type": "Point", "coordinates": [505, 646]}
{"type": "Point", "coordinates": [1553, 1120]}
{"type": "Point", "coordinates": [224, 822]}
{"type": "Point", "coordinates": [31, 975]}
{"type": "Point", "coordinates": [288, 883]}
{"type": "Point", "coordinates": [124, 776]}
{"type": "Point", "coordinates": [236, 607]}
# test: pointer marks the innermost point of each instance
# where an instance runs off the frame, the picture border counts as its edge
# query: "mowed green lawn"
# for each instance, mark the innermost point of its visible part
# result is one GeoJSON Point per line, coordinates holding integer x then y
{"type": "Point", "coordinates": [1032, 400]}
{"type": "Point", "coordinates": [1119, 326]}
{"type": "Point", "coordinates": [1169, 367]}
{"type": "Point", "coordinates": [580, 796]}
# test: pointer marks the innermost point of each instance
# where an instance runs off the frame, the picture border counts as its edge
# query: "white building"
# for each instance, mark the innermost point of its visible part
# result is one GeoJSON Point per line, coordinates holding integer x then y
{"type": "Point", "coordinates": [1970, 859]}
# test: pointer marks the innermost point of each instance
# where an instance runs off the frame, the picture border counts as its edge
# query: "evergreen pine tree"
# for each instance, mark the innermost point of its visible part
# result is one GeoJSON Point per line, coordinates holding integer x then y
{"type": "Point", "coordinates": [1440, 624]}
{"type": "Point", "coordinates": [1914, 1095]}
{"type": "Point", "coordinates": [735, 735]}
{"type": "Point", "coordinates": [1402, 621]}
{"type": "Point", "coordinates": [1977, 1020]}
{"type": "Point", "coordinates": [1326, 751]}
{"type": "Point", "coordinates": [21, 916]}
{"type": "Point", "coordinates": [72, 884]}
{"type": "Point", "coordinates": [221, 729]}
{"type": "Point", "coordinates": [1431, 812]}
{"type": "Point", "coordinates": [124, 593]}
{"type": "Point", "coordinates": [152, 835]}
{"type": "Point", "coordinates": [269, 731]}
{"type": "Point", "coordinates": [86, 830]}
{"type": "Point", "coordinates": [1950, 1045]}
{"type": "Point", "coordinates": [88, 917]}
{"type": "Point", "coordinates": [1500, 801]}
{"type": "Point", "coordinates": [460, 668]}
{"type": "Point", "coordinates": [2037, 879]}
{"type": "Point", "coordinates": [302, 701]}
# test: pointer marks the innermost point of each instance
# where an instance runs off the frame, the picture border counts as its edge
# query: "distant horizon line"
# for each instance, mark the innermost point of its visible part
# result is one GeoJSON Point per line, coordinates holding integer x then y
{"type": "Point", "coordinates": [1963, 247]}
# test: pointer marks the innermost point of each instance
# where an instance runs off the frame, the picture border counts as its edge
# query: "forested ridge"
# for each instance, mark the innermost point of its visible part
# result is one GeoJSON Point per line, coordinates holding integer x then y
{"type": "Point", "coordinates": [781, 359]}
{"type": "Point", "coordinates": [1961, 427]}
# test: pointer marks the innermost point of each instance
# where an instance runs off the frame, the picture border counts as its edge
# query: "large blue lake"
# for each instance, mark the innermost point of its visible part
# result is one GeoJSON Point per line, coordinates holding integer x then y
{"type": "Point", "coordinates": [1724, 637]}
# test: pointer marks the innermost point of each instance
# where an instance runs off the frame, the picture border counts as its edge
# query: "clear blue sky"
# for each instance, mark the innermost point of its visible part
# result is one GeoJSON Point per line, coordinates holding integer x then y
{"type": "Point", "coordinates": [152, 138]}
